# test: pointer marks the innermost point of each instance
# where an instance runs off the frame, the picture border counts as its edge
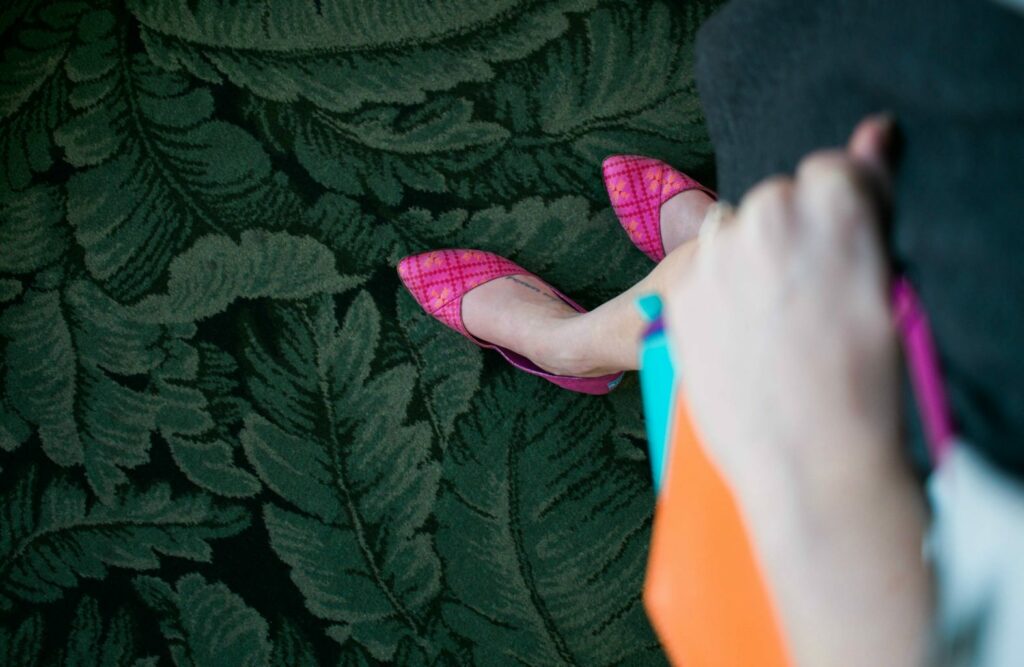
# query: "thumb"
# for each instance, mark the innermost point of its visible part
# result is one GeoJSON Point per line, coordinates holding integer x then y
{"type": "Point", "coordinates": [871, 148]}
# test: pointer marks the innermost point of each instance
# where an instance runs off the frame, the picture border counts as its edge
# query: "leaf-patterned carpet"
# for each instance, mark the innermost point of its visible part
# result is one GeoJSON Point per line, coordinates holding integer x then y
{"type": "Point", "coordinates": [228, 436]}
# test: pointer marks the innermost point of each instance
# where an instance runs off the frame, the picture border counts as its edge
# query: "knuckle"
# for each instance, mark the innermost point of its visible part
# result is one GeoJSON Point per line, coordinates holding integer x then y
{"type": "Point", "coordinates": [770, 194]}
{"type": "Point", "coordinates": [826, 167]}
{"type": "Point", "coordinates": [768, 216]}
{"type": "Point", "coordinates": [831, 190]}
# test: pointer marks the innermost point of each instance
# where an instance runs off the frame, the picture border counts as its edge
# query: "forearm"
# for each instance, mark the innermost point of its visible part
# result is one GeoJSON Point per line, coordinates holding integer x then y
{"type": "Point", "coordinates": [844, 562]}
{"type": "Point", "coordinates": [783, 327]}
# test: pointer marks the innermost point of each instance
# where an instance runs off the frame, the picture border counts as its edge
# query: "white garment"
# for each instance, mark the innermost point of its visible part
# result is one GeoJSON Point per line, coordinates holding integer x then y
{"type": "Point", "coordinates": [976, 544]}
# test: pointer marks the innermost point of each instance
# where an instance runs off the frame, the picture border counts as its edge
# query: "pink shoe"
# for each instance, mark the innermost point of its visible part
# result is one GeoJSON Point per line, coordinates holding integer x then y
{"type": "Point", "coordinates": [638, 186]}
{"type": "Point", "coordinates": [439, 279]}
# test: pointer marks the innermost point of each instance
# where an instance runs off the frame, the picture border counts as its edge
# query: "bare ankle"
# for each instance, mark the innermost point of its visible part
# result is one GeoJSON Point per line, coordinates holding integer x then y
{"type": "Point", "coordinates": [550, 347]}
{"type": "Point", "coordinates": [681, 217]}
{"type": "Point", "coordinates": [565, 350]}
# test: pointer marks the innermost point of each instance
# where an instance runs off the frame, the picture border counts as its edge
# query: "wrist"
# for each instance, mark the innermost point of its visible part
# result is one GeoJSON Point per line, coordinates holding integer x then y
{"type": "Point", "coordinates": [817, 472]}
{"type": "Point", "coordinates": [840, 550]}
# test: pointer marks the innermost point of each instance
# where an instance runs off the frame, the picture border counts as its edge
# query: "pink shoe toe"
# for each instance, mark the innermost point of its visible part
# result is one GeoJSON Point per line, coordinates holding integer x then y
{"type": "Point", "coordinates": [439, 279]}
{"type": "Point", "coordinates": [637, 187]}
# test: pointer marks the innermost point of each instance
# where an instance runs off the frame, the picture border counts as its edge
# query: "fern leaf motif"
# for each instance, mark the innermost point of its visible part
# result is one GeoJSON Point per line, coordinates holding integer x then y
{"type": "Point", "coordinates": [206, 624]}
{"type": "Point", "coordinates": [151, 175]}
{"type": "Point", "coordinates": [544, 539]}
{"type": "Point", "coordinates": [357, 481]}
{"type": "Point", "coordinates": [53, 536]}
{"type": "Point", "coordinates": [335, 53]}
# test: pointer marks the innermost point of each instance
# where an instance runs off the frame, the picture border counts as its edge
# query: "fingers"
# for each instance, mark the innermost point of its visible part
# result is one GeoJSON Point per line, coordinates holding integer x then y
{"type": "Point", "coordinates": [872, 146]}
{"type": "Point", "coordinates": [767, 215]}
{"type": "Point", "coordinates": [831, 209]}
{"type": "Point", "coordinates": [843, 196]}
{"type": "Point", "coordinates": [846, 188]}
{"type": "Point", "coordinates": [854, 177]}
{"type": "Point", "coordinates": [834, 195]}
{"type": "Point", "coordinates": [872, 141]}
{"type": "Point", "coordinates": [838, 190]}
{"type": "Point", "coordinates": [841, 212]}
{"type": "Point", "coordinates": [718, 215]}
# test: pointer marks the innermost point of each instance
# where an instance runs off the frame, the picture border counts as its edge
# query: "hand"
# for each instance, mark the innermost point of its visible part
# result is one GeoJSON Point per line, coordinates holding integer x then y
{"type": "Point", "coordinates": [783, 326]}
{"type": "Point", "coordinates": [789, 365]}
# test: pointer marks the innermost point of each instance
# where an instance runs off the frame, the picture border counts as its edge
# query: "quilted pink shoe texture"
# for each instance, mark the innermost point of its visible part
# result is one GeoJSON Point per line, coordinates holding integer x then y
{"type": "Point", "coordinates": [638, 186]}
{"type": "Point", "coordinates": [438, 280]}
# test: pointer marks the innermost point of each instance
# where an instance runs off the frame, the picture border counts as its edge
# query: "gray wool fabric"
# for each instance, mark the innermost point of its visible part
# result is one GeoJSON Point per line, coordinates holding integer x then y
{"type": "Point", "coordinates": [779, 78]}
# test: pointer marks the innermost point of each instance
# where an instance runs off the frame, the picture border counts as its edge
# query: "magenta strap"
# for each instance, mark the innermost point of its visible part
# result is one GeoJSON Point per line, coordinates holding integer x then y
{"type": "Point", "coordinates": [923, 366]}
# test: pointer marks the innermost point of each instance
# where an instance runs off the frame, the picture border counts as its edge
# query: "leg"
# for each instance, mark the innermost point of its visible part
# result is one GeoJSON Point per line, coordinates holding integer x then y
{"type": "Point", "coordinates": [521, 314]}
{"type": "Point", "coordinates": [681, 218]}
{"type": "Point", "coordinates": [608, 335]}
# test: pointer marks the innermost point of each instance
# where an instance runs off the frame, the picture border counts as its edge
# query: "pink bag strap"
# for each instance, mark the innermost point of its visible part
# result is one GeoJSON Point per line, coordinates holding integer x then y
{"type": "Point", "coordinates": [923, 366]}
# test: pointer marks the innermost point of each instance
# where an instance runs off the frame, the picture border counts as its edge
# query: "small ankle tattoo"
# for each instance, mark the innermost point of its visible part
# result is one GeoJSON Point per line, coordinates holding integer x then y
{"type": "Point", "coordinates": [533, 288]}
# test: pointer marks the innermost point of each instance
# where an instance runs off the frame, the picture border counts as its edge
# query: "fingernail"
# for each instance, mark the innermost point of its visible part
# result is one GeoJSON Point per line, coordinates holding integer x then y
{"type": "Point", "coordinates": [872, 141]}
{"type": "Point", "coordinates": [886, 121]}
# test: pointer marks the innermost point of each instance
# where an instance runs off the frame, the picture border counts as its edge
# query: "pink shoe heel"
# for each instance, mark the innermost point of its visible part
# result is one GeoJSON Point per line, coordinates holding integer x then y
{"type": "Point", "coordinates": [638, 186]}
{"type": "Point", "coordinates": [439, 279]}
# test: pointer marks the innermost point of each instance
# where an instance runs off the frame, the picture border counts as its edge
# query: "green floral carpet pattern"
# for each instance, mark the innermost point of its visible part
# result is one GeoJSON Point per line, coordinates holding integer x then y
{"type": "Point", "coordinates": [228, 436]}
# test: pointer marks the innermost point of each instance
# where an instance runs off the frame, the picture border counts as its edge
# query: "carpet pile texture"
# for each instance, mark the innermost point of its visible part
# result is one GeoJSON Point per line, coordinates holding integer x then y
{"type": "Point", "coordinates": [228, 436]}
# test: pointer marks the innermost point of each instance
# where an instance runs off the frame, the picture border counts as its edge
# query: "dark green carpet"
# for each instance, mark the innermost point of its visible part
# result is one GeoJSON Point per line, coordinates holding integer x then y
{"type": "Point", "coordinates": [228, 437]}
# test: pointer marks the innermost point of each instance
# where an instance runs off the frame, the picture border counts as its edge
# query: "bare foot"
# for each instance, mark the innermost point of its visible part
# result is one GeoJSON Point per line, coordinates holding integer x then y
{"type": "Point", "coordinates": [522, 314]}
{"type": "Point", "coordinates": [681, 218]}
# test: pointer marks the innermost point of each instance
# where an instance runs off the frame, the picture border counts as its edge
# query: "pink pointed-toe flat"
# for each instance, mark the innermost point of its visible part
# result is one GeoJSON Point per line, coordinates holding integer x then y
{"type": "Point", "coordinates": [439, 279]}
{"type": "Point", "coordinates": [638, 186]}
